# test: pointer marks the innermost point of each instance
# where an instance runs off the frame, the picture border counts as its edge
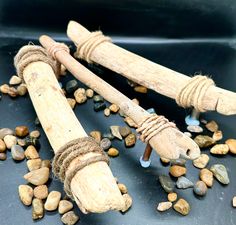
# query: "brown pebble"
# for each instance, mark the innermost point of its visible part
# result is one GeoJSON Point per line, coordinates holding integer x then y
{"type": "Point", "coordinates": [124, 131]}
{"type": "Point", "coordinates": [15, 80]}
{"type": "Point", "coordinates": [212, 126]}
{"type": "Point", "coordinates": [128, 202]}
{"type": "Point", "coordinates": [204, 141]}
{"type": "Point", "coordinates": [130, 140]}
{"type": "Point", "coordinates": [10, 140]}
{"type": "Point", "coordinates": [232, 145]}
{"type": "Point", "coordinates": [34, 164]}
{"type": "Point", "coordinates": [113, 152]}
{"type": "Point", "coordinates": [52, 201]}
{"type": "Point", "coordinates": [37, 209]}
{"type": "Point", "coordinates": [70, 218]}
{"type": "Point", "coordinates": [26, 194]}
{"type": "Point", "coordinates": [3, 146]}
{"type": "Point", "coordinates": [200, 188]}
{"type": "Point", "coordinates": [41, 192]}
{"type": "Point", "coordinates": [89, 93]}
{"type": "Point", "coordinates": [114, 108]}
{"type": "Point", "coordinates": [140, 89]}
{"type": "Point", "coordinates": [21, 131]}
{"type": "Point", "coordinates": [38, 177]}
{"type": "Point", "coordinates": [80, 95]}
{"type": "Point", "coordinates": [4, 88]}
{"type": "Point", "coordinates": [31, 152]}
{"type": "Point", "coordinates": [12, 92]}
{"type": "Point", "coordinates": [96, 135]}
{"type": "Point", "coordinates": [35, 134]}
{"type": "Point", "coordinates": [163, 206]}
{"type": "Point", "coordinates": [177, 171]}
{"type": "Point", "coordinates": [107, 112]}
{"type": "Point", "coordinates": [22, 90]}
{"type": "Point", "coordinates": [201, 161]}
{"type": "Point", "coordinates": [217, 135]}
{"type": "Point", "coordinates": [123, 188]}
{"type": "Point", "coordinates": [71, 102]}
{"type": "Point", "coordinates": [3, 156]}
{"type": "Point", "coordinates": [207, 177]}
{"type": "Point", "coordinates": [64, 206]}
{"type": "Point", "coordinates": [130, 122]}
{"type": "Point", "coordinates": [219, 149]}
{"type": "Point", "coordinates": [172, 197]}
{"type": "Point", "coordinates": [182, 207]}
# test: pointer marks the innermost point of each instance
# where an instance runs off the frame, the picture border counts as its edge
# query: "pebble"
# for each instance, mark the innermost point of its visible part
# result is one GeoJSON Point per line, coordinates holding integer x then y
{"type": "Point", "coordinates": [37, 209]}
{"type": "Point", "coordinates": [108, 135]}
{"type": "Point", "coordinates": [107, 112]}
{"type": "Point", "coordinates": [35, 134]}
{"type": "Point", "coordinates": [177, 171]}
{"type": "Point", "coordinates": [201, 161]}
{"type": "Point", "coordinates": [105, 143]}
{"type": "Point", "coordinates": [52, 201]}
{"type": "Point", "coordinates": [234, 201]}
{"type": "Point", "coordinates": [15, 80]}
{"type": "Point", "coordinates": [220, 149]}
{"type": "Point", "coordinates": [69, 218]}
{"type": "Point", "coordinates": [71, 102]}
{"type": "Point", "coordinates": [194, 129]}
{"type": "Point", "coordinates": [3, 156]}
{"type": "Point", "coordinates": [203, 121]}
{"type": "Point", "coordinates": [99, 106]}
{"type": "Point", "coordinates": [98, 98]}
{"type": "Point", "coordinates": [26, 194]}
{"type": "Point", "coordinates": [96, 135]}
{"type": "Point", "coordinates": [46, 163]}
{"type": "Point", "coordinates": [180, 162]}
{"type": "Point", "coordinates": [4, 88]}
{"type": "Point", "coordinates": [151, 111]}
{"type": "Point", "coordinates": [232, 145]}
{"type": "Point", "coordinates": [172, 197]}
{"type": "Point", "coordinates": [207, 177]}
{"type": "Point", "coordinates": [204, 141]}
{"type": "Point", "coordinates": [3, 146]}
{"type": "Point", "coordinates": [31, 152]}
{"type": "Point", "coordinates": [136, 101]}
{"type": "Point", "coordinates": [38, 177]}
{"type": "Point", "coordinates": [21, 131]}
{"type": "Point", "coordinates": [200, 188]}
{"type": "Point", "coordinates": [184, 183]}
{"type": "Point", "coordinates": [212, 126]}
{"type": "Point", "coordinates": [128, 202]}
{"type": "Point", "coordinates": [32, 141]}
{"type": "Point", "coordinates": [17, 152]}
{"type": "Point", "coordinates": [130, 140]}
{"type": "Point", "coordinates": [64, 206]}
{"type": "Point", "coordinates": [114, 108]}
{"type": "Point", "coordinates": [41, 192]}
{"type": "Point", "coordinates": [89, 93]}
{"type": "Point", "coordinates": [34, 164]}
{"type": "Point", "coordinates": [163, 206]}
{"type": "Point", "coordinates": [140, 89]}
{"type": "Point", "coordinates": [220, 173]}
{"type": "Point", "coordinates": [71, 86]}
{"type": "Point", "coordinates": [12, 92]}
{"type": "Point", "coordinates": [22, 90]}
{"type": "Point", "coordinates": [10, 140]}
{"type": "Point", "coordinates": [113, 152]}
{"type": "Point", "coordinates": [130, 122]}
{"type": "Point", "coordinates": [217, 135]}
{"type": "Point", "coordinates": [182, 207]}
{"type": "Point", "coordinates": [164, 160]}
{"type": "Point", "coordinates": [188, 134]}
{"type": "Point", "coordinates": [21, 142]}
{"type": "Point", "coordinates": [124, 131]}
{"type": "Point", "coordinates": [123, 188]}
{"type": "Point", "coordinates": [115, 132]}
{"type": "Point", "coordinates": [5, 131]}
{"type": "Point", "coordinates": [166, 183]}
{"type": "Point", "coordinates": [80, 97]}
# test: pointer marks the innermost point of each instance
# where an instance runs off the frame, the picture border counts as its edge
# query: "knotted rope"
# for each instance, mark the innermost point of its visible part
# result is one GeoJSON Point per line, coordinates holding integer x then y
{"type": "Point", "coordinates": [71, 151]}
{"type": "Point", "coordinates": [151, 125]}
{"type": "Point", "coordinates": [193, 92]}
{"type": "Point", "coordinates": [87, 44]}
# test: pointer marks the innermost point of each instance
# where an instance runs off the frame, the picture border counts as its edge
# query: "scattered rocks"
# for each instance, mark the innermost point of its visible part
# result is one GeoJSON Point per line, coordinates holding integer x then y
{"type": "Point", "coordinates": [128, 202]}
{"type": "Point", "coordinates": [172, 197]}
{"type": "Point", "coordinates": [99, 106]}
{"type": "Point", "coordinates": [34, 164]}
{"type": "Point", "coordinates": [3, 147]}
{"type": "Point", "coordinates": [105, 143]}
{"type": "Point", "coordinates": [96, 135]}
{"type": "Point", "coordinates": [114, 108]}
{"type": "Point", "coordinates": [217, 135]}
{"type": "Point", "coordinates": [166, 183]}
{"type": "Point", "coordinates": [130, 140]}
{"type": "Point", "coordinates": [182, 207]}
{"type": "Point", "coordinates": [69, 218]}
{"type": "Point", "coordinates": [37, 209]}
{"type": "Point", "coordinates": [115, 132]}
{"type": "Point", "coordinates": [98, 98]}
{"type": "Point", "coordinates": [80, 96]}
{"type": "Point", "coordinates": [71, 102]}
{"type": "Point", "coordinates": [130, 122]}
{"type": "Point", "coordinates": [141, 89]}
{"type": "Point", "coordinates": [64, 206]}
{"type": "Point", "coordinates": [200, 188]}
{"type": "Point", "coordinates": [89, 93]}
{"type": "Point", "coordinates": [212, 126]}
{"type": "Point", "coordinates": [234, 201]}
{"type": "Point", "coordinates": [124, 131]}
{"type": "Point", "coordinates": [163, 206]}
{"type": "Point", "coordinates": [207, 177]}
{"type": "Point", "coordinates": [107, 112]}
{"type": "Point", "coordinates": [35, 134]}
{"type": "Point", "coordinates": [17, 152]}
{"type": "Point", "coordinates": [41, 192]}
{"type": "Point", "coordinates": [164, 160]}
{"type": "Point", "coordinates": [184, 183]}
{"type": "Point", "coordinates": [52, 201]}
{"type": "Point", "coordinates": [177, 171]}
{"type": "Point", "coordinates": [232, 145]}
{"type": "Point", "coordinates": [194, 129]}
{"type": "Point", "coordinates": [220, 173]}
{"type": "Point", "coordinates": [21, 131]}
{"type": "Point", "coordinates": [179, 162]}
{"type": "Point", "coordinates": [10, 140]}
{"type": "Point", "coordinates": [201, 161]}
{"type": "Point", "coordinates": [113, 152]}
{"type": "Point", "coordinates": [220, 149]}
{"type": "Point", "coordinates": [31, 152]}
{"type": "Point", "coordinates": [5, 131]}
{"type": "Point", "coordinates": [71, 86]}
{"type": "Point", "coordinates": [4, 88]}
{"type": "Point", "coordinates": [38, 177]}
{"type": "Point", "coordinates": [3, 156]}
{"type": "Point", "coordinates": [26, 194]}
{"type": "Point", "coordinates": [22, 90]}
{"type": "Point", "coordinates": [123, 188]}
{"type": "Point", "coordinates": [15, 80]}
{"type": "Point", "coordinates": [204, 141]}
{"type": "Point", "coordinates": [46, 163]}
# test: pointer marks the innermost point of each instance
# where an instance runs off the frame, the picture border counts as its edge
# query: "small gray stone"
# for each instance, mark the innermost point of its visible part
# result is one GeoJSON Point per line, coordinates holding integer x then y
{"type": "Point", "coordinates": [98, 98]}
{"type": "Point", "coordinates": [183, 183]}
{"type": "Point", "coordinates": [69, 218]}
{"type": "Point", "coordinates": [200, 188]}
{"type": "Point", "coordinates": [105, 143]}
{"type": "Point", "coordinates": [166, 183]}
{"type": "Point", "coordinates": [71, 86]}
{"type": "Point", "coordinates": [220, 173]}
{"type": "Point", "coordinates": [17, 152]}
{"type": "Point", "coordinates": [5, 131]}
{"type": "Point", "coordinates": [179, 162]}
{"type": "Point", "coordinates": [115, 132]}
{"type": "Point", "coordinates": [124, 131]}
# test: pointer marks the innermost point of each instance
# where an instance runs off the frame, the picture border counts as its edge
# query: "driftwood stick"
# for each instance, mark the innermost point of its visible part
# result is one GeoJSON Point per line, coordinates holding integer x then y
{"type": "Point", "coordinates": [93, 187]}
{"type": "Point", "coordinates": [169, 142]}
{"type": "Point", "coordinates": [150, 74]}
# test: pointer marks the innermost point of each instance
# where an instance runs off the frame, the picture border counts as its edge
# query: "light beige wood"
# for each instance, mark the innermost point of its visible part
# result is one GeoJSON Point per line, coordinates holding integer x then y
{"type": "Point", "coordinates": [152, 75]}
{"type": "Point", "coordinates": [169, 143]}
{"type": "Point", "coordinates": [94, 187]}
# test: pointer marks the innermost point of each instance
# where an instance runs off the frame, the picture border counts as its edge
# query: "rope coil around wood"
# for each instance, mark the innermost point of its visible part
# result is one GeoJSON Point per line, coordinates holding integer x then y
{"type": "Point", "coordinates": [151, 125]}
{"type": "Point", "coordinates": [193, 92]}
{"type": "Point", "coordinates": [71, 151]}
{"type": "Point", "coordinates": [87, 44]}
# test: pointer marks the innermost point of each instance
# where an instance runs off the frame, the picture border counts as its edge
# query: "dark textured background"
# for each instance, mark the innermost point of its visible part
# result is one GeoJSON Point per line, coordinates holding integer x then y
{"type": "Point", "coordinates": [188, 36]}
